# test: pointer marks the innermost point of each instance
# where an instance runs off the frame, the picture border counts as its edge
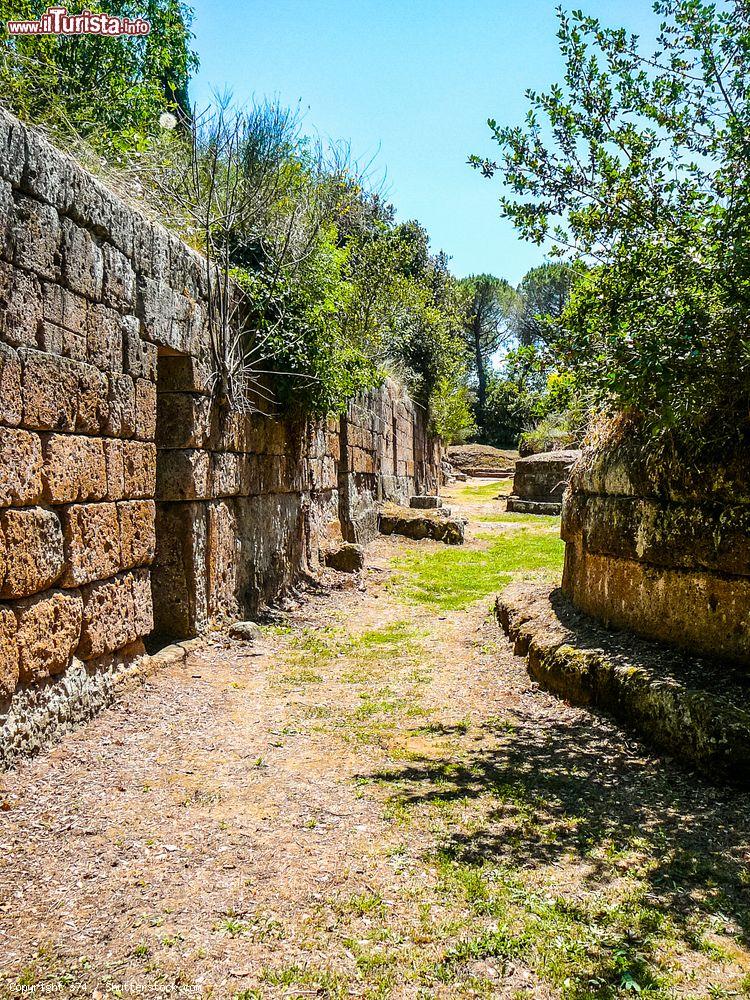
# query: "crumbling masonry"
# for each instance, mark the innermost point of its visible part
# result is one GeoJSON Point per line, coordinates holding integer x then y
{"type": "Point", "coordinates": [130, 503]}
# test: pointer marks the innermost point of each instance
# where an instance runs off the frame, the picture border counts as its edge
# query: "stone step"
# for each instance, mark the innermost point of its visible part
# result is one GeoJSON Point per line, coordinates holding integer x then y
{"type": "Point", "coordinates": [516, 505]}
{"type": "Point", "coordinates": [425, 502]}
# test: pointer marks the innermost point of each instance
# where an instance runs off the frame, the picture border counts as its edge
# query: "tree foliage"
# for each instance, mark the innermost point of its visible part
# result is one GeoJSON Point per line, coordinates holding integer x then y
{"type": "Point", "coordinates": [637, 163]}
{"type": "Point", "coordinates": [489, 306]}
{"type": "Point", "coordinates": [109, 91]}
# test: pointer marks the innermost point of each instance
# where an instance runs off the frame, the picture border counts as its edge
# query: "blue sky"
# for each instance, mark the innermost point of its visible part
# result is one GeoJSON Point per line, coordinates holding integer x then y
{"type": "Point", "coordinates": [410, 83]}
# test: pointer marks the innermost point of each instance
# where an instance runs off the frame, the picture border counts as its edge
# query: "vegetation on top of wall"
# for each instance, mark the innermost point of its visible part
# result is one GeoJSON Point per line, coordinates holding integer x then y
{"type": "Point", "coordinates": [637, 164]}
{"type": "Point", "coordinates": [329, 293]}
{"type": "Point", "coordinates": [108, 90]}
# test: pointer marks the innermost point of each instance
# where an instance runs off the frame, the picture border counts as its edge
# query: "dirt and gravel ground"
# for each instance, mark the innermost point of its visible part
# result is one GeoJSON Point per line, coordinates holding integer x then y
{"type": "Point", "coordinates": [372, 800]}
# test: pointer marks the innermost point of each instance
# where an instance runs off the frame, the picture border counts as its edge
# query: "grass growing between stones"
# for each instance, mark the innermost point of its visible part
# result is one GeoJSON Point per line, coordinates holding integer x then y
{"type": "Point", "coordinates": [451, 579]}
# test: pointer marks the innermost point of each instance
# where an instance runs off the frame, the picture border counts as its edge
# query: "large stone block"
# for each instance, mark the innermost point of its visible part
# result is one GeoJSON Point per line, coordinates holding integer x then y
{"type": "Point", "coordinates": [83, 263]}
{"type": "Point", "coordinates": [36, 238]}
{"type": "Point", "coordinates": [121, 416]}
{"type": "Point", "coordinates": [139, 356]}
{"type": "Point", "coordinates": [12, 148]}
{"type": "Point", "coordinates": [10, 387]}
{"type": "Point", "coordinates": [92, 416]}
{"type": "Point", "coordinates": [137, 532]}
{"type": "Point", "coordinates": [49, 627]}
{"type": "Point", "coordinates": [46, 172]}
{"type": "Point", "coordinates": [54, 339]}
{"type": "Point", "coordinates": [226, 474]}
{"type": "Point", "coordinates": [20, 306]}
{"type": "Point", "coordinates": [92, 543]}
{"type": "Point", "coordinates": [139, 469]}
{"type": "Point", "coordinates": [104, 338]}
{"type": "Point", "coordinates": [544, 477]}
{"type": "Point", "coordinates": [115, 613]}
{"type": "Point", "coordinates": [145, 410]}
{"type": "Point", "coordinates": [184, 420]}
{"type": "Point", "coordinates": [20, 467]}
{"type": "Point", "coordinates": [118, 285]}
{"type": "Point", "coordinates": [34, 557]}
{"type": "Point", "coordinates": [183, 475]}
{"type": "Point", "coordinates": [143, 609]}
{"type": "Point", "coordinates": [704, 612]}
{"type": "Point", "coordinates": [8, 653]}
{"type": "Point", "coordinates": [185, 374]}
{"type": "Point", "coordinates": [115, 471]}
{"type": "Point", "coordinates": [223, 564]}
{"type": "Point", "coordinates": [50, 391]}
{"type": "Point", "coordinates": [158, 307]}
{"type": "Point", "coordinates": [74, 469]}
{"type": "Point", "coordinates": [179, 571]}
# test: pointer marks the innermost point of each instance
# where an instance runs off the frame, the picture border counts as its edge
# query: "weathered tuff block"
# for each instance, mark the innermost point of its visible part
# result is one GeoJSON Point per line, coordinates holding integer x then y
{"type": "Point", "coordinates": [83, 263]}
{"type": "Point", "coordinates": [137, 532]}
{"type": "Point", "coordinates": [36, 238]}
{"type": "Point", "coordinates": [50, 391]}
{"type": "Point", "coordinates": [183, 475]}
{"type": "Point", "coordinates": [10, 387]}
{"type": "Point", "coordinates": [544, 477]}
{"type": "Point", "coordinates": [121, 401]}
{"type": "Point", "coordinates": [92, 543]}
{"type": "Point", "coordinates": [8, 653]}
{"type": "Point", "coordinates": [114, 466]}
{"type": "Point", "coordinates": [139, 357]}
{"type": "Point", "coordinates": [145, 410]}
{"type": "Point", "coordinates": [118, 285]}
{"type": "Point", "coordinates": [104, 338]}
{"type": "Point", "coordinates": [20, 467]}
{"type": "Point", "coordinates": [49, 627]}
{"type": "Point", "coordinates": [93, 401]}
{"type": "Point", "coordinates": [20, 306]}
{"type": "Point", "coordinates": [33, 551]}
{"type": "Point", "coordinates": [75, 469]}
{"type": "Point", "coordinates": [658, 553]}
{"type": "Point", "coordinates": [139, 469]}
{"type": "Point", "coordinates": [115, 613]}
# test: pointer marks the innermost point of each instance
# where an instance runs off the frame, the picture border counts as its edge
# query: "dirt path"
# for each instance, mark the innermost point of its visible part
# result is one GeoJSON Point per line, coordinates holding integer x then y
{"type": "Point", "coordinates": [373, 800]}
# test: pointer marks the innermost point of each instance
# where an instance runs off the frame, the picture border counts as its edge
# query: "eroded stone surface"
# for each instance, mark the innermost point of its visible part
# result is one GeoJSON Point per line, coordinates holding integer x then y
{"type": "Point", "coordinates": [49, 627]}
{"type": "Point", "coordinates": [34, 556]}
{"type": "Point", "coordinates": [20, 467]}
{"type": "Point", "coordinates": [92, 543]}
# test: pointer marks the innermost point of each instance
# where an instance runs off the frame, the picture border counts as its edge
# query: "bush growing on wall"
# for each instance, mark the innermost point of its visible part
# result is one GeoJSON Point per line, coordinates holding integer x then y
{"type": "Point", "coordinates": [334, 294]}
{"type": "Point", "coordinates": [110, 91]}
{"type": "Point", "coordinates": [638, 163]}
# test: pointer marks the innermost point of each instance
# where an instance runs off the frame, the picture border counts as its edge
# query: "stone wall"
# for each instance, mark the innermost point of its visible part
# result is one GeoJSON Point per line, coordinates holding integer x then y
{"type": "Point", "coordinates": [130, 503]}
{"type": "Point", "coordinates": [539, 482]}
{"type": "Point", "coordinates": [663, 552]}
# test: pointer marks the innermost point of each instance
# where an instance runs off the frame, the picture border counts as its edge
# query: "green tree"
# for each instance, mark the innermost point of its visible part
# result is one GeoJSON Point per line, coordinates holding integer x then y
{"type": "Point", "coordinates": [489, 304]}
{"type": "Point", "coordinates": [543, 294]}
{"type": "Point", "coordinates": [637, 162]}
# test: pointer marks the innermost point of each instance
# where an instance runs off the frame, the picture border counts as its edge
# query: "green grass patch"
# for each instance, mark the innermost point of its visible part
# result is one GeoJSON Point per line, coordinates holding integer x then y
{"type": "Point", "coordinates": [486, 491]}
{"type": "Point", "coordinates": [451, 579]}
{"type": "Point", "coordinates": [537, 520]}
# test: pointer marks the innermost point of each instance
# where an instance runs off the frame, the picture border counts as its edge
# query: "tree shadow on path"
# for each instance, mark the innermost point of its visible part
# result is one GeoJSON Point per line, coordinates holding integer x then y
{"type": "Point", "coordinates": [570, 787]}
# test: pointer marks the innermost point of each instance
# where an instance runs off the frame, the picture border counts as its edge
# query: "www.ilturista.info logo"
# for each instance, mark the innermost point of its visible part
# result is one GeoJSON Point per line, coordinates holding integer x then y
{"type": "Point", "coordinates": [57, 21]}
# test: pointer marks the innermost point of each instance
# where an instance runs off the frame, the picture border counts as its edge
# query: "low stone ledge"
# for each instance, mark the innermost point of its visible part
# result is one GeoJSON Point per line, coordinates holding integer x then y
{"type": "Point", "coordinates": [425, 502]}
{"type": "Point", "coordinates": [692, 708]}
{"type": "Point", "coordinates": [417, 525]}
{"type": "Point", "coordinates": [516, 505]}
